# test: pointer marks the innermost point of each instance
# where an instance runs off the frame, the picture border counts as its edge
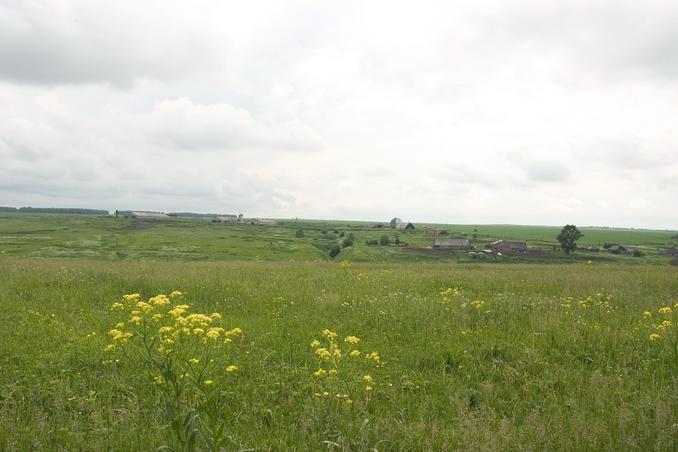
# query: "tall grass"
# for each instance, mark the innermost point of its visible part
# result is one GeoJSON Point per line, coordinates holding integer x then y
{"type": "Point", "coordinates": [517, 357]}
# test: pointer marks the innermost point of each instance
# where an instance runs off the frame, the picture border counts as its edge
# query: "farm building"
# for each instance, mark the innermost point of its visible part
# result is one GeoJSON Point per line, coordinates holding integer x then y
{"type": "Point", "coordinates": [673, 251]}
{"type": "Point", "coordinates": [149, 215]}
{"type": "Point", "coordinates": [225, 219]}
{"type": "Point", "coordinates": [506, 245]}
{"type": "Point", "coordinates": [404, 225]}
{"type": "Point", "coordinates": [461, 244]}
{"type": "Point", "coordinates": [397, 223]}
{"type": "Point", "coordinates": [619, 249]}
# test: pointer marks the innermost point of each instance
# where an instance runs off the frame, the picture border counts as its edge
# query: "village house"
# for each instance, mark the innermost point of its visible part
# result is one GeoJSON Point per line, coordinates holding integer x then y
{"type": "Point", "coordinates": [445, 243]}
{"type": "Point", "coordinates": [673, 251]}
{"type": "Point", "coordinates": [506, 245]}
{"type": "Point", "coordinates": [618, 249]}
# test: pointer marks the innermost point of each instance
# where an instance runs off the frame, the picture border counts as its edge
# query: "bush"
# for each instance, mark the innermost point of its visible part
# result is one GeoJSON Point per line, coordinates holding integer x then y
{"type": "Point", "coordinates": [637, 253]}
{"type": "Point", "coordinates": [300, 233]}
{"type": "Point", "coordinates": [348, 240]}
{"type": "Point", "coordinates": [334, 251]}
{"type": "Point", "coordinates": [384, 240]}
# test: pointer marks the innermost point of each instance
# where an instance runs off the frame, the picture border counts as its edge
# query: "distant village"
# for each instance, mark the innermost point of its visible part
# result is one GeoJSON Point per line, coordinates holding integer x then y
{"type": "Point", "coordinates": [439, 241]}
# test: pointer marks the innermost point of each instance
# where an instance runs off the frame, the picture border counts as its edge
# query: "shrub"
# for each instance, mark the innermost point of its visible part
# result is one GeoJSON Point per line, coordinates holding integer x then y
{"type": "Point", "coordinates": [334, 251]}
{"type": "Point", "coordinates": [299, 233]}
{"type": "Point", "coordinates": [384, 240]}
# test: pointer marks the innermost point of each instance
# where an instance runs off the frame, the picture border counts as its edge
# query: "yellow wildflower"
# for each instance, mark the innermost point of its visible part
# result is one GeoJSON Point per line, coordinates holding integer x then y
{"type": "Point", "coordinates": [176, 293]}
{"type": "Point", "coordinates": [116, 306]}
{"type": "Point", "coordinates": [315, 344]}
{"type": "Point", "coordinates": [208, 382]}
{"type": "Point", "coordinates": [320, 373]}
{"type": "Point", "coordinates": [368, 388]}
{"type": "Point", "coordinates": [231, 368]}
{"type": "Point", "coordinates": [215, 316]}
{"type": "Point", "coordinates": [647, 314]}
{"type": "Point", "coordinates": [665, 310]}
{"type": "Point", "coordinates": [329, 334]}
{"type": "Point", "coordinates": [214, 332]}
{"type": "Point", "coordinates": [233, 332]}
{"type": "Point", "coordinates": [655, 337]}
{"type": "Point", "coordinates": [157, 317]}
{"type": "Point", "coordinates": [354, 353]}
{"type": "Point", "coordinates": [367, 378]}
{"type": "Point", "coordinates": [323, 353]}
{"type": "Point", "coordinates": [165, 329]}
{"type": "Point", "coordinates": [159, 380]}
{"type": "Point", "coordinates": [135, 319]}
{"type": "Point", "coordinates": [352, 340]}
{"type": "Point", "coordinates": [333, 372]}
{"type": "Point", "coordinates": [179, 310]}
{"type": "Point", "coordinates": [131, 297]}
{"type": "Point", "coordinates": [145, 307]}
{"type": "Point", "coordinates": [109, 348]}
{"type": "Point", "coordinates": [194, 360]}
{"type": "Point", "coordinates": [159, 300]}
{"type": "Point", "coordinates": [198, 331]}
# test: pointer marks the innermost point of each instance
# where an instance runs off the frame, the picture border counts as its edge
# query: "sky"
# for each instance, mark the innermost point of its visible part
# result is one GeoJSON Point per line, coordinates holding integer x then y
{"type": "Point", "coordinates": [474, 112]}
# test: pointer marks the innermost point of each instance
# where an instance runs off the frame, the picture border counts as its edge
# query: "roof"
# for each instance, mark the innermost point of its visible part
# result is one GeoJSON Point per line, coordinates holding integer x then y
{"type": "Point", "coordinates": [461, 243]}
{"type": "Point", "coordinates": [509, 244]}
{"type": "Point", "coordinates": [404, 225]}
{"type": "Point", "coordinates": [141, 214]}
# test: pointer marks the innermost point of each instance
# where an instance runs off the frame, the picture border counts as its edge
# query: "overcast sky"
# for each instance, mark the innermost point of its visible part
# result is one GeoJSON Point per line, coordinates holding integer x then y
{"type": "Point", "coordinates": [530, 112]}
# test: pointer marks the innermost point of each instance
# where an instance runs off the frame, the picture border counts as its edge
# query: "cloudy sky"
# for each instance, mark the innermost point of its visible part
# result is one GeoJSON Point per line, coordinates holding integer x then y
{"type": "Point", "coordinates": [533, 112]}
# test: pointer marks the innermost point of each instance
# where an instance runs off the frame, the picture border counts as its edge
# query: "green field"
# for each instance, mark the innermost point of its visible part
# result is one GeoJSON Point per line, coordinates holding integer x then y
{"type": "Point", "coordinates": [191, 239]}
{"type": "Point", "coordinates": [580, 354]}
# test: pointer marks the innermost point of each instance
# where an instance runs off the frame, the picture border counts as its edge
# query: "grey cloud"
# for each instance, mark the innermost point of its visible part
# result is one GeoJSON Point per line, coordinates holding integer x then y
{"type": "Point", "coordinates": [84, 42]}
{"type": "Point", "coordinates": [615, 40]}
{"type": "Point", "coordinates": [185, 125]}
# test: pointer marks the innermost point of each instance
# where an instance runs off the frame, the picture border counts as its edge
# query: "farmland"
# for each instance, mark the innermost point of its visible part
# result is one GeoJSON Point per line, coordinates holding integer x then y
{"type": "Point", "coordinates": [452, 353]}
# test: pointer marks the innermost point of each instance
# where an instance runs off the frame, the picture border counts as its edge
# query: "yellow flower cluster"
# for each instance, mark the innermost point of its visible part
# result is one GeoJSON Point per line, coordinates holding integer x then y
{"type": "Point", "coordinates": [339, 371]}
{"type": "Point", "coordinates": [602, 302]}
{"type": "Point", "coordinates": [449, 294]}
{"type": "Point", "coordinates": [666, 323]}
{"type": "Point", "coordinates": [184, 340]}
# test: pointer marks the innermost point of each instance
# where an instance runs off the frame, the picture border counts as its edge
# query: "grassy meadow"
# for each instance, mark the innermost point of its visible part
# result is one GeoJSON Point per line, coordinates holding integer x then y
{"type": "Point", "coordinates": [270, 345]}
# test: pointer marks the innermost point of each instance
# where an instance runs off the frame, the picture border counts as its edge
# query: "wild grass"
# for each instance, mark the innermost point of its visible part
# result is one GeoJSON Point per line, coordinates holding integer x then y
{"type": "Point", "coordinates": [518, 357]}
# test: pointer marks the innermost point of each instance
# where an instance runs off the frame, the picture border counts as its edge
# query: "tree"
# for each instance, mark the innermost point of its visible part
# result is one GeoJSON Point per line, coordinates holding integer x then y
{"type": "Point", "coordinates": [568, 238]}
{"type": "Point", "coordinates": [384, 240]}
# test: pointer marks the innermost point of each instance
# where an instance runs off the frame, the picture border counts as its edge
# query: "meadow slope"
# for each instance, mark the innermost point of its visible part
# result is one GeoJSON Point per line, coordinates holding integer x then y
{"type": "Point", "coordinates": [478, 357]}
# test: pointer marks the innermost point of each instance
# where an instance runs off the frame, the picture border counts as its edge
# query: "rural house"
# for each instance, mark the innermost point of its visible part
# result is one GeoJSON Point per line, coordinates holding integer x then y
{"type": "Point", "coordinates": [506, 245]}
{"type": "Point", "coordinates": [673, 251]}
{"type": "Point", "coordinates": [446, 244]}
{"type": "Point", "coordinates": [618, 249]}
